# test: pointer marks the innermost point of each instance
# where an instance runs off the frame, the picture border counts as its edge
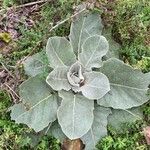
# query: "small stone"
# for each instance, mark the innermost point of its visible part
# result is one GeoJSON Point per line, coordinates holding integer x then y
{"type": "Point", "coordinates": [146, 132]}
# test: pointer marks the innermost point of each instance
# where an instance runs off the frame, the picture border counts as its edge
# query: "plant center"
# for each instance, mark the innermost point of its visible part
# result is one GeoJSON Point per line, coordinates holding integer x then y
{"type": "Point", "coordinates": [75, 75]}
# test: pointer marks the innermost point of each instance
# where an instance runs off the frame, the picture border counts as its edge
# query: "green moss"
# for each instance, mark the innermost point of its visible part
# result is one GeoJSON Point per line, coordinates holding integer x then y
{"type": "Point", "coordinates": [48, 142]}
{"type": "Point", "coordinates": [144, 64]}
{"type": "Point", "coordinates": [8, 3]}
{"type": "Point", "coordinates": [131, 27]}
{"type": "Point", "coordinates": [130, 139]}
{"type": "Point", "coordinates": [11, 133]}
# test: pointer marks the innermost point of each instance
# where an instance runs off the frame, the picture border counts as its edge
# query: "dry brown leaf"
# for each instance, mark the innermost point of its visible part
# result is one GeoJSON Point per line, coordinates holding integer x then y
{"type": "Point", "coordinates": [72, 145]}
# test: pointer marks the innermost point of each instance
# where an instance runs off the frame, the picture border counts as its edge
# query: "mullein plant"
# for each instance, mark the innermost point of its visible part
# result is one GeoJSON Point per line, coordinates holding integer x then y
{"type": "Point", "coordinates": [87, 86]}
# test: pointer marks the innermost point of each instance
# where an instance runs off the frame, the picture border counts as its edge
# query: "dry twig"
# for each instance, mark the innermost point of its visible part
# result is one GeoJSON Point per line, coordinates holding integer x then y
{"type": "Point", "coordinates": [67, 19]}
{"type": "Point", "coordinates": [5, 68]}
{"type": "Point", "coordinates": [11, 90]}
{"type": "Point", "coordinates": [24, 5]}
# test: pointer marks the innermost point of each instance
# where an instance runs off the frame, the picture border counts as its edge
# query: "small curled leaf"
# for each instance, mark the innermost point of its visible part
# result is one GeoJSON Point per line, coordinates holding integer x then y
{"type": "Point", "coordinates": [75, 75]}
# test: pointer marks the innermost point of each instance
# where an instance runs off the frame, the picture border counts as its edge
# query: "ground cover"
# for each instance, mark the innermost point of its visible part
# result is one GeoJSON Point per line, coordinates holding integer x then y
{"type": "Point", "coordinates": [26, 32]}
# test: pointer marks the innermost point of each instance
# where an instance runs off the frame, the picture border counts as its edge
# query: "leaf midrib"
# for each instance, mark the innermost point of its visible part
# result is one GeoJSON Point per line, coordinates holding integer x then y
{"type": "Point", "coordinates": [123, 86]}
{"type": "Point", "coordinates": [93, 137]}
{"type": "Point", "coordinates": [73, 113]}
{"type": "Point", "coordinates": [57, 54]}
{"type": "Point", "coordinates": [79, 42]}
{"type": "Point", "coordinates": [93, 54]}
{"type": "Point", "coordinates": [129, 87]}
{"type": "Point", "coordinates": [95, 86]}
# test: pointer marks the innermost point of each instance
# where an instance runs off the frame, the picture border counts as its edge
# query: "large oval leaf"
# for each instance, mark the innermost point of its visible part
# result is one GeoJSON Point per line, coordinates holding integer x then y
{"type": "Point", "coordinates": [98, 129]}
{"type": "Point", "coordinates": [75, 115]}
{"type": "Point", "coordinates": [93, 49]}
{"type": "Point", "coordinates": [82, 27]}
{"type": "Point", "coordinates": [96, 85]}
{"type": "Point", "coordinates": [39, 105]}
{"type": "Point", "coordinates": [57, 79]}
{"type": "Point", "coordinates": [36, 64]}
{"type": "Point", "coordinates": [59, 52]}
{"type": "Point", "coordinates": [128, 86]}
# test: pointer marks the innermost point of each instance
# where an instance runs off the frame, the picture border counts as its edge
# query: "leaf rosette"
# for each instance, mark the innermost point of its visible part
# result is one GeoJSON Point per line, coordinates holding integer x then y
{"type": "Point", "coordinates": [93, 85]}
{"type": "Point", "coordinates": [82, 93]}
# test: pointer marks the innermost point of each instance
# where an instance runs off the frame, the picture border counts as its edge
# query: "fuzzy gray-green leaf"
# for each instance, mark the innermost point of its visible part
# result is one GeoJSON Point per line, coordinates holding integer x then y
{"type": "Point", "coordinates": [82, 27]}
{"type": "Point", "coordinates": [39, 105]}
{"type": "Point", "coordinates": [128, 86]}
{"type": "Point", "coordinates": [93, 49]}
{"type": "Point", "coordinates": [98, 129]}
{"type": "Point", "coordinates": [35, 64]}
{"type": "Point", "coordinates": [59, 52]}
{"type": "Point", "coordinates": [96, 85]}
{"type": "Point", "coordinates": [57, 79]}
{"type": "Point", "coordinates": [75, 115]}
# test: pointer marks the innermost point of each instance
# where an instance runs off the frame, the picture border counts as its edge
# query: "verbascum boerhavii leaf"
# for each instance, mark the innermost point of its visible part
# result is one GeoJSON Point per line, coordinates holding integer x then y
{"type": "Point", "coordinates": [75, 115]}
{"type": "Point", "coordinates": [39, 105]}
{"type": "Point", "coordinates": [129, 86]}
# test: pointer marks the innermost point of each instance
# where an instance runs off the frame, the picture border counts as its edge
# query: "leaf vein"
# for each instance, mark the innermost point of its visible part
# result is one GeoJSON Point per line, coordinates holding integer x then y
{"type": "Point", "coordinates": [92, 54]}
{"type": "Point", "coordinates": [57, 55]}
{"type": "Point", "coordinates": [129, 87]}
{"type": "Point", "coordinates": [93, 138]}
{"type": "Point", "coordinates": [80, 36]}
{"type": "Point", "coordinates": [33, 106]}
{"type": "Point", "coordinates": [73, 113]}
